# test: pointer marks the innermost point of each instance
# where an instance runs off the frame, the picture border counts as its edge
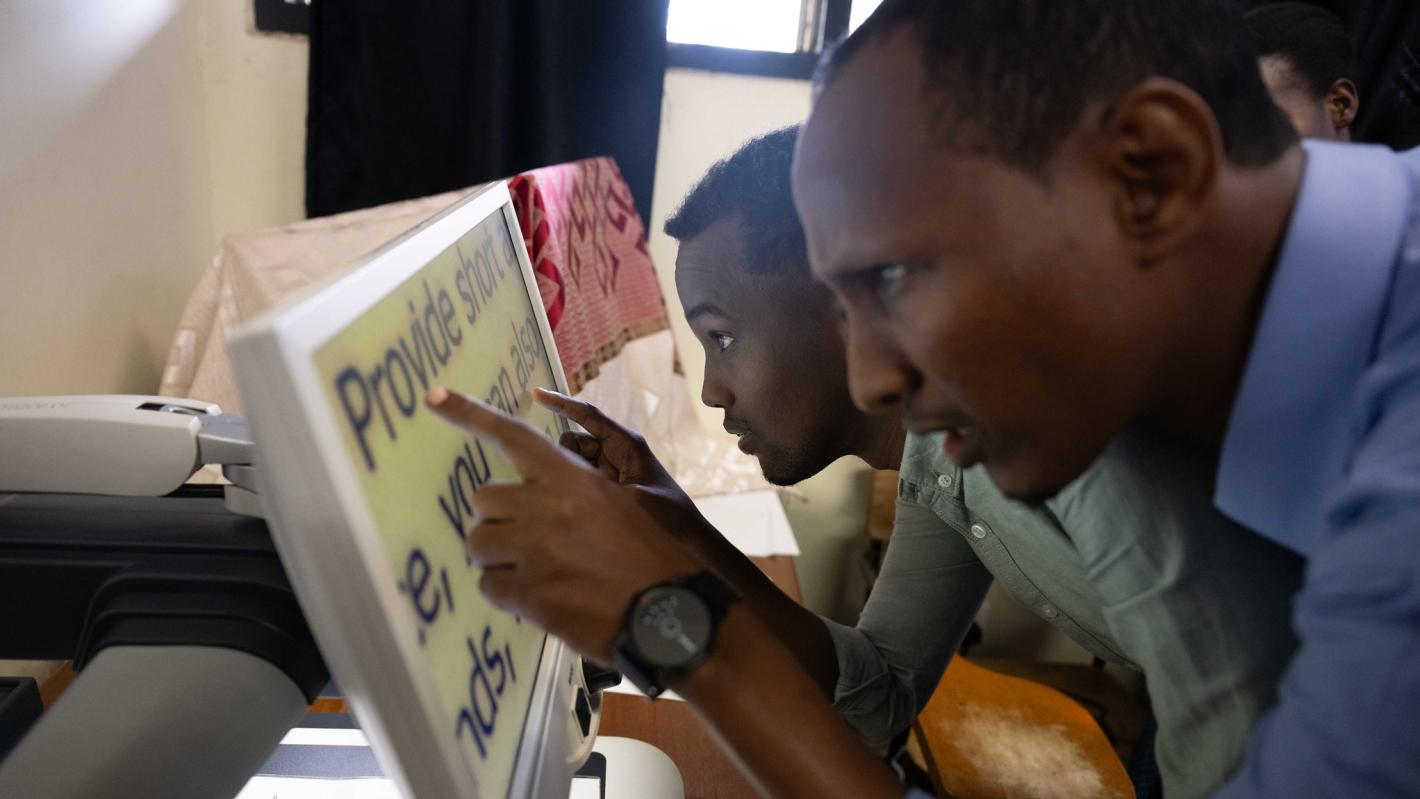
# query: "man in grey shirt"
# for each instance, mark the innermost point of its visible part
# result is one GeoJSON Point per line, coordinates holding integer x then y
{"type": "Point", "coordinates": [1131, 561]}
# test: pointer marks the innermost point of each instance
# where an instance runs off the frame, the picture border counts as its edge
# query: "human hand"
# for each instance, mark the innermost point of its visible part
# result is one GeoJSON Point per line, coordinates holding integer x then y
{"type": "Point", "coordinates": [566, 548]}
{"type": "Point", "coordinates": [570, 549]}
{"type": "Point", "coordinates": [617, 452]}
{"type": "Point", "coordinates": [624, 457]}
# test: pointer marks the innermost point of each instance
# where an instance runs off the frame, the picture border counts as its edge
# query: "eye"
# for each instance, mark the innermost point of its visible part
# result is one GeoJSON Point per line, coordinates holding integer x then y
{"type": "Point", "coordinates": [722, 341]}
{"type": "Point", "coordinates": [886, 281]}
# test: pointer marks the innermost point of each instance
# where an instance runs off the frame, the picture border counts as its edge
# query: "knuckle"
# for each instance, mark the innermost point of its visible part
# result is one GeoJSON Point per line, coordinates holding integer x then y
{"type": "Point", "coordinates": [567, 508]}
{"type": "Point", "coordinates": [477, 545]}
{"type": "Point", "coordinates": [487, 500]}
{"type": "Point", "coordinates": [588, 409]}
{"type": "Point", "coordinates": [537, 606]}
{"type": "Point", "coordinates": [596, 492]}
{"type": "Point", "coordinates": [481, 501]}
{"type": "Point", "coordinates": [493, 587]}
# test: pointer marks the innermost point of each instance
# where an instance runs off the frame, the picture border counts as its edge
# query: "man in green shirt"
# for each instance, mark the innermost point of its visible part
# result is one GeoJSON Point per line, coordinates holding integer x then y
{"type": "Point", "coordinates": [1130, 561]}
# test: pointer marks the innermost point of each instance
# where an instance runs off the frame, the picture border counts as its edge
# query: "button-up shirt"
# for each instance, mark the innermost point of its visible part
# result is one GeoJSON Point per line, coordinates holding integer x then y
{"type": "Point", "coordinates": [1322, 453]}
{"type": "Point", "coordinates": [1131, 561]}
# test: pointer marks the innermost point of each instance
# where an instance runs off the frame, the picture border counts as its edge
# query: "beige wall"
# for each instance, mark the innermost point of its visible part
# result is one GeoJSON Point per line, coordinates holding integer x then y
{"type": "Point", "coordinates": [255, 110]}
{"type": "Point", "coordinates": [135, 134]}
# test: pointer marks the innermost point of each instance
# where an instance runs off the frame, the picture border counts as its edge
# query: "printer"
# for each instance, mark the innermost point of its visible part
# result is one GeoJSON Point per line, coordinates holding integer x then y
{"type": "Point", "coordinates": [193, 655]}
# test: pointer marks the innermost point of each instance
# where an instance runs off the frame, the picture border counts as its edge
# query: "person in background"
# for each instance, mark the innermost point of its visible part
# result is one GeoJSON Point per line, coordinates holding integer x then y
{"type": "Point", "coordinates": [1307, 61]}
{"type": "Point", "coordinates": [1387, 36]}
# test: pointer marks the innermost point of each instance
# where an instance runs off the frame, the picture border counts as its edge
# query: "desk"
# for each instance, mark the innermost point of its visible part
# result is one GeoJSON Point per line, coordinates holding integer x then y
{"type": "Point", "coordinates": [673, 728]}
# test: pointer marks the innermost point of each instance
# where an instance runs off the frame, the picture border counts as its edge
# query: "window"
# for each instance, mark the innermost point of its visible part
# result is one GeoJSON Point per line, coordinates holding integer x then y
{"type": "Point", "coordinates": [779, 38]}
{"type": "Point", "coordinates": [772, 25]}
{"type": "Point", "coordinates": [862, 9]}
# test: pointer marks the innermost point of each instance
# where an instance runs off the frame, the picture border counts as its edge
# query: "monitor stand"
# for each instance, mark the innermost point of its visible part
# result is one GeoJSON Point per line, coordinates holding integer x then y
{"type": "Point", "coordinates": [637, 770]}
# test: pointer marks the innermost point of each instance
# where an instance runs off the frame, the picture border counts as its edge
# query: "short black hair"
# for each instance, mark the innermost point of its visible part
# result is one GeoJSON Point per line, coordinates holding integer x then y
{"type": "Point", "coordinates": [1312, 39]}
{"type": "Point", "coordinates": [1010, 78]}
{"type": "Point", "coordinates": [754, 183]}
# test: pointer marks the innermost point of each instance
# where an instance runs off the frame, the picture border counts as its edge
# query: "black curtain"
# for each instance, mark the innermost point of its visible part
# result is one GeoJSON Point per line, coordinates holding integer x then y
{"type": "Point", "coordinates": [1387, 38]}
{"type": "Point", "coordinates": [413, 98]}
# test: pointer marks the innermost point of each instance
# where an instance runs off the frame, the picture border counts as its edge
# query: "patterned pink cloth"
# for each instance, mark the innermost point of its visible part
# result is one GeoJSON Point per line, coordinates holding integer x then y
{"type": "Point", "coordinates": [588, 248]}
{"type": "Point", "coordinates": [586, 241]}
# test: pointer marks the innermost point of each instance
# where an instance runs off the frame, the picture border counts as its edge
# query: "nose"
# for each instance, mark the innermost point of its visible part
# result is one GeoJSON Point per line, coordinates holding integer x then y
{"type": "Point", "coordinates": [715, 392]}
{"type": "Point", "coordinates": [879, 377]}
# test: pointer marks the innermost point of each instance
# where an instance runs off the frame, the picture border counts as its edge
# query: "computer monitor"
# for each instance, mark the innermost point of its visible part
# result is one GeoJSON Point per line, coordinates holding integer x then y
{"type": "Point", "coordinates": [368, 495]}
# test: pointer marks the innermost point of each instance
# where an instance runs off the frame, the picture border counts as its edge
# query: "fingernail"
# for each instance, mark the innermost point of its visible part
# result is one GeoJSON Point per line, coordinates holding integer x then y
{"type": "Point", "coordinates": [437, 396]}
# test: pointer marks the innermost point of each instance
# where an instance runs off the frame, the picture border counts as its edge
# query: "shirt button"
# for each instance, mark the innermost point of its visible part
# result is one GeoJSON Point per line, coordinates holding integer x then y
{"type": "Point", "coordinates": [978, 531]}
{"type": "Point", "coordinates": [1049, 611]}
{"type": "Point", "coordinates": [944, 480]}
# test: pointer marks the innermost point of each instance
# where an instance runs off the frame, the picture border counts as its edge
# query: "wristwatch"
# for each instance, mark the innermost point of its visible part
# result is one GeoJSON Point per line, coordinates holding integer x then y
{"type": "Point", "coordinates": [670, 629]}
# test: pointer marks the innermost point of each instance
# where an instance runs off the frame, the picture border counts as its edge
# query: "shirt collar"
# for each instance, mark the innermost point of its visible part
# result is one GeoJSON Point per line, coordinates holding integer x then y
{"type": "Point", "coordinates": [1287, 437]}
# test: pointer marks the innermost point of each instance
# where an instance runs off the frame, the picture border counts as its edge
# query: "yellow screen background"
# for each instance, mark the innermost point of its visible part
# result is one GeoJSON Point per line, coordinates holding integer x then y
{"type": "Point", "coordinates": [416, 473]}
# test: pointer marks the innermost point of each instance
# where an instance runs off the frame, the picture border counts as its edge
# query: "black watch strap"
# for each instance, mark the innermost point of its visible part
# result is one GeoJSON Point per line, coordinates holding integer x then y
{"type": "Point", "coordinates": [709, 586]}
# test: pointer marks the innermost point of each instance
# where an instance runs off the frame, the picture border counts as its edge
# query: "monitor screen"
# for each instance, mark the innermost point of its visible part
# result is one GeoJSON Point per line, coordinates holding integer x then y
{"type": "Point", "coordinates": [466, 321]}
{"type": "Point", "coordinates": [454, 304]}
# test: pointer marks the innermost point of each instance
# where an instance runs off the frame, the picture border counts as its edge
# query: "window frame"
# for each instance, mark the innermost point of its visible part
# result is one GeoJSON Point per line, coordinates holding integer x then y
{"type": "Point", "coordinates": [827, 23]}
{"type": "Point", "coordinates": [828, 18]}
{"type": "Point", "coordinates": [282, 16]}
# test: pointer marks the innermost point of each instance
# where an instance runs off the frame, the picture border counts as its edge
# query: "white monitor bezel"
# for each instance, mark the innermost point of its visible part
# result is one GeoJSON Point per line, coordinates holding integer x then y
{"type": "Point", "coordinates": [327, 540]}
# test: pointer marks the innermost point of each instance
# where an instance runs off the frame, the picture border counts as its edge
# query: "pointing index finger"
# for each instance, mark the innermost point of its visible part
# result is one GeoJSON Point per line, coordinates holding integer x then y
{"type": "Point", "coordinates": [583, 413]}
{"type": "Point", "coordinates": [530, 453]}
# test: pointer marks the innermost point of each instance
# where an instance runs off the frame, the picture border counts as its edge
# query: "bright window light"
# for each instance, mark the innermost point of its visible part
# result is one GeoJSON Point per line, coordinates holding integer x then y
{"type": "Point", "coordinates": [743, 24]}
{"type": "Point", "coordinates": [860, 11]}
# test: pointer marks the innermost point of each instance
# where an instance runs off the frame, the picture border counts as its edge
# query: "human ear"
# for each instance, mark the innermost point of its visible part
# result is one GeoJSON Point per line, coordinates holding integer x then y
{"type": "Point", "coordinates": [1342, 104]}
{"type": "Point", "coordinates": [1163, 151]}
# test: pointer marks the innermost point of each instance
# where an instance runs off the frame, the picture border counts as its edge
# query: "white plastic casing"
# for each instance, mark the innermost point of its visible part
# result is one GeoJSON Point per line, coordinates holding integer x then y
{"type": "Point", "coordinates": [103, 444]}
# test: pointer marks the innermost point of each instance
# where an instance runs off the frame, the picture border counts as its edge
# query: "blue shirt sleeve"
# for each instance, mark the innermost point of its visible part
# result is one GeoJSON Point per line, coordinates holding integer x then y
{"type": "Point", "coordinates": [1347, 722]}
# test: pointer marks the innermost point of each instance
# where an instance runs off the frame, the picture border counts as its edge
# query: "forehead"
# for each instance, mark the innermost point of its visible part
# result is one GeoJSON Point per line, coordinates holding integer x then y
{"type": "Point", "coordinates": [711, 267]}
{"type": "Point", "coordinates": [866, 151]}
{"type": "Point", "coordinates": [712, 270]}
{"type": "Point", "coordinates": [877, 181]}
{"type": "Point", "coordinates": [873, 177]}
{"type": "Point", "coordinates": [1281, 75]}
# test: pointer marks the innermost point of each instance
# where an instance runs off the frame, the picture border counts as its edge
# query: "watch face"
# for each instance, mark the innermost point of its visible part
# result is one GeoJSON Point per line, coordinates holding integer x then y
{"type": "Point", "coordinates": [671, 627]}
